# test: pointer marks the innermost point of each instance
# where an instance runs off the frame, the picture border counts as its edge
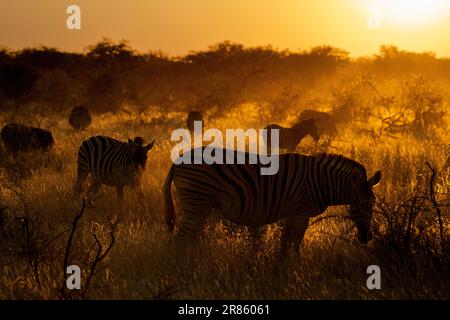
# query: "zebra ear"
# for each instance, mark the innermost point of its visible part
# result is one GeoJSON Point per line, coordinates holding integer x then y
{"type": "Point", "coordinates": [375, 180]}
{"type": "Point", "coordinates": [148, 147]}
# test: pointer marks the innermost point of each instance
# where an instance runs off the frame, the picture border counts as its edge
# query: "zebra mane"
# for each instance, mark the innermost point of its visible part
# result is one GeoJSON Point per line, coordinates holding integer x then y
{"type": "Point", "coordinates": [330, 157]}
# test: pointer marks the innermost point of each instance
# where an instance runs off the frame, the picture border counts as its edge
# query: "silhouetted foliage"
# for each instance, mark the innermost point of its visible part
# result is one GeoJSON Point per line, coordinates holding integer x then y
{"type": "Point", "coordinates": [111, 74]}
{"type": "Point", "coordinates": [17, 80]}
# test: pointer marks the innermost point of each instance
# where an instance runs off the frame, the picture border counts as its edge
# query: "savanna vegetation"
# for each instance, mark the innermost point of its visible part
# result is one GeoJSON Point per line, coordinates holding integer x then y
{"type": "Point", "coordinates": [391, 113]}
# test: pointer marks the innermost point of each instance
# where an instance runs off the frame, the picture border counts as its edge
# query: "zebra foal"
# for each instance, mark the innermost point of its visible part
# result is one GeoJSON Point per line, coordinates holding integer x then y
{"type": "Point", "coordinates": [111, 162]}
{"type": "Point", "coordinates": [290, 138]}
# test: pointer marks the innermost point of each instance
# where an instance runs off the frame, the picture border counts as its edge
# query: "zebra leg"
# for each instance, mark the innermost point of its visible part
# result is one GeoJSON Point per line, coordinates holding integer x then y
{"type": "Point", "coordinates": [140, 196]}
{"type": "Point", "coordinates": [81, 178]}
{"type": "Point", "coordinates": [119, 190]}
{"type": "Point", "coordinates": [96, 184]}
{"type": "Point", "coordinates": [192, 224]}
{"type": "Point", "coordinates": [293, 234]}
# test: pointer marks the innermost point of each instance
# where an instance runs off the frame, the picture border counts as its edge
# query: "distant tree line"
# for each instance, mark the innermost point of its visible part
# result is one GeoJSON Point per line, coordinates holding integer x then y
{"type": "Point", "coordinates": [109, 75]}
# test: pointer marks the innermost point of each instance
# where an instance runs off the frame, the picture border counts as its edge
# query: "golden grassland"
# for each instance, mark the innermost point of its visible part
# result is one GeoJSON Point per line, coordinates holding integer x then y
{"type": "Point", "coordinates": [144, 264]}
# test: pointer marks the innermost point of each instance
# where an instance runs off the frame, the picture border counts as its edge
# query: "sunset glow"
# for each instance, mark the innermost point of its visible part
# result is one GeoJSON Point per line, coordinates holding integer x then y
{"type": "Point", "coordinates": [176, 26]}
{"type": "Point", "coordinates": [413, 13]}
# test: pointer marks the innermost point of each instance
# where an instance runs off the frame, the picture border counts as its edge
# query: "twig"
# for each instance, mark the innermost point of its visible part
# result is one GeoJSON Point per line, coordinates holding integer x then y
{"type": "Point", "coordinates": [99, 256]}
{"type": "Point", "coordinates": [69, 246]}
{"type": "Point", "coordinates": [434, 201]}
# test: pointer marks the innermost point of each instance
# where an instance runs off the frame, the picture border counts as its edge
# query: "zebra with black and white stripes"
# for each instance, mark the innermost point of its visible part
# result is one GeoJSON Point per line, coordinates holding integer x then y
{"type": "Point", "coordinates": [20, 138]}
{"type": "Point", "coordinates": [326, 122]}
{"type": "Point", "coordinates": [290, 138]}
{"type": "Point", "coordinates": [111, 162]}
{"type": "Point", "coordinates": [191, 118]}
{"type": "Point", "coordinates": [303, 187]}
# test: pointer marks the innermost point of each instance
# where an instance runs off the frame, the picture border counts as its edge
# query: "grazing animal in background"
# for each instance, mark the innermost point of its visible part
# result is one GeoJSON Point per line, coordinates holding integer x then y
{"type": "Point", "coordinates": [193, 116]}
{"type": "Point", "coordinates": [20, 138]}
{"type": "Point", "coordinates": [325, 121]}
{"type": "Point", "coordinates": [112, 162]}
{"type": "Point", "coordinates": [290, 138]}
{"type": "Point", "coordinates": [79, 118]}
{"type": "Point", "coordinates": [304, 186]}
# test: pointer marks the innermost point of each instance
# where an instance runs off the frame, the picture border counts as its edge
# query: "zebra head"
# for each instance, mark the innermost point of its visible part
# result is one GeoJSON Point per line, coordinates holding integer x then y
{"type": "Point", "coordinates": [139, 152]}
{"type": "Point", "coordinates": [362, 205]}
{"type": "Point", "coordinates": [312, 128]}
{"type": "Point", "coordinates": [309, 127]}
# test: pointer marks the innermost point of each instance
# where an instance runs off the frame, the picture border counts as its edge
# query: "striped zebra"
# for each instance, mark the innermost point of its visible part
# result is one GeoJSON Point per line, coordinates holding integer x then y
{"type": "Point", "coordinates": [79, 118]}
{"type": "Point", "coordinates": [326, 123]}
{"type": "Point", "coordinates": [111, 162]}
{"type": "Point", "coordinates": [290, 138]}
{"type": "Point", "coordinates": [20, 138]}
{"type": "Point", "coordinates": [193, 116]}
{"type": "Point", "coordinates": [305, 186]}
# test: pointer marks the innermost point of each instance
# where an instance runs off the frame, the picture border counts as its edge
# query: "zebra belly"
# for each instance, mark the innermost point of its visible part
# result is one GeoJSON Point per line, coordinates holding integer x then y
{"type": "Point", "coordinates": [256, 215]}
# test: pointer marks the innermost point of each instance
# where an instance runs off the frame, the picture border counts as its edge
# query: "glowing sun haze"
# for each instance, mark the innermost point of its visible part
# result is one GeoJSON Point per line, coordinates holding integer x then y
{"type": "Point", "coordinates": [179, 26]}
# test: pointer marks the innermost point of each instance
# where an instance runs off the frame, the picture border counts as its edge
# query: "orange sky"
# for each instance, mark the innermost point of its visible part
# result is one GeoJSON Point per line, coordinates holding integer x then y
{"type": "Point", "coordinates": [178, 26]}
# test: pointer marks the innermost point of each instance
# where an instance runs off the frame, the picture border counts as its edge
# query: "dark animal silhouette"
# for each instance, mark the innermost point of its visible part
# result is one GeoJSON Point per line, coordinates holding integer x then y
{"type": "Point", "coordinates": [326, 123]}
{"type": "Point", "coordinates": [112, 162]}
{"type": "Point", "coordinates": [193, 116]}
{"type": "Point", "coordinates": [290, 138]}
{"type": "Point", "coordinates": [20, 138]}
{"type": "Point", "coordinates": [79, 118]}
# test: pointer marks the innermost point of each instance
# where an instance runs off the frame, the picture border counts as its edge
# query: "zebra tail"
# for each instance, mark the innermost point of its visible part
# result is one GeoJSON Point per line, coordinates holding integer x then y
{"type": "Point", "coordinates": [170, 215]}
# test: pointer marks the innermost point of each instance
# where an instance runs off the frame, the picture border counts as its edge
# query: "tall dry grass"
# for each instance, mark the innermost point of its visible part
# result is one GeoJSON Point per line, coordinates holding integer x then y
{"type": "Point", "coordinates": [37, 213]}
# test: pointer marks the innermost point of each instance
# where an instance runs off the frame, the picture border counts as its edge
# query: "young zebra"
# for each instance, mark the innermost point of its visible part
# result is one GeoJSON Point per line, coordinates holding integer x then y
{"type": "Point", "coordinates": [325, 121]}
{"type": "Point", "coordinates": [111, 162]}
{"type": "Point", "coordinates": [193, 116]}
{"type": "Point", "coordinates": [290, 138]}
{"type": "Point", "coordinates": [305, 186]}
{"type": "Point", "coordinates": [79, 118]}
{"type": "Point", "coordinates": [20, 138]}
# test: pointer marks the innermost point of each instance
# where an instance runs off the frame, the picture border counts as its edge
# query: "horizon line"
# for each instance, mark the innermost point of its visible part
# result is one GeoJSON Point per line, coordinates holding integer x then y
{"type": "Point", "coordinates": [209, 47]}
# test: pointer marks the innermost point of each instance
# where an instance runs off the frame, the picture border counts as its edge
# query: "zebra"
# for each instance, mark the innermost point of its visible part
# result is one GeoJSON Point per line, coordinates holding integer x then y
{"type": "Point", "coordinates": [193, 116]}
{"type": "Point", "coordinates": [112, 162]}
{"type": "Point", "coordinates": [324, 120]}
{"type": "Point", "coordinates": [290, 138]}
{"type": "Point", "coordinates": [20, 138]}
{"type": "Point", "coordinates": [79, 118]}
{"type": "Point", "coordinates": [304, 187]}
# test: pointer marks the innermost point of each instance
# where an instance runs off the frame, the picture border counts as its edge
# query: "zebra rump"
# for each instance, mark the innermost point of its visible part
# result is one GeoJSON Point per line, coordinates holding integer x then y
{"type": "Point", "coordinates": [17, 137]}
{"type": "Point", "coordinates": [79, 118]}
